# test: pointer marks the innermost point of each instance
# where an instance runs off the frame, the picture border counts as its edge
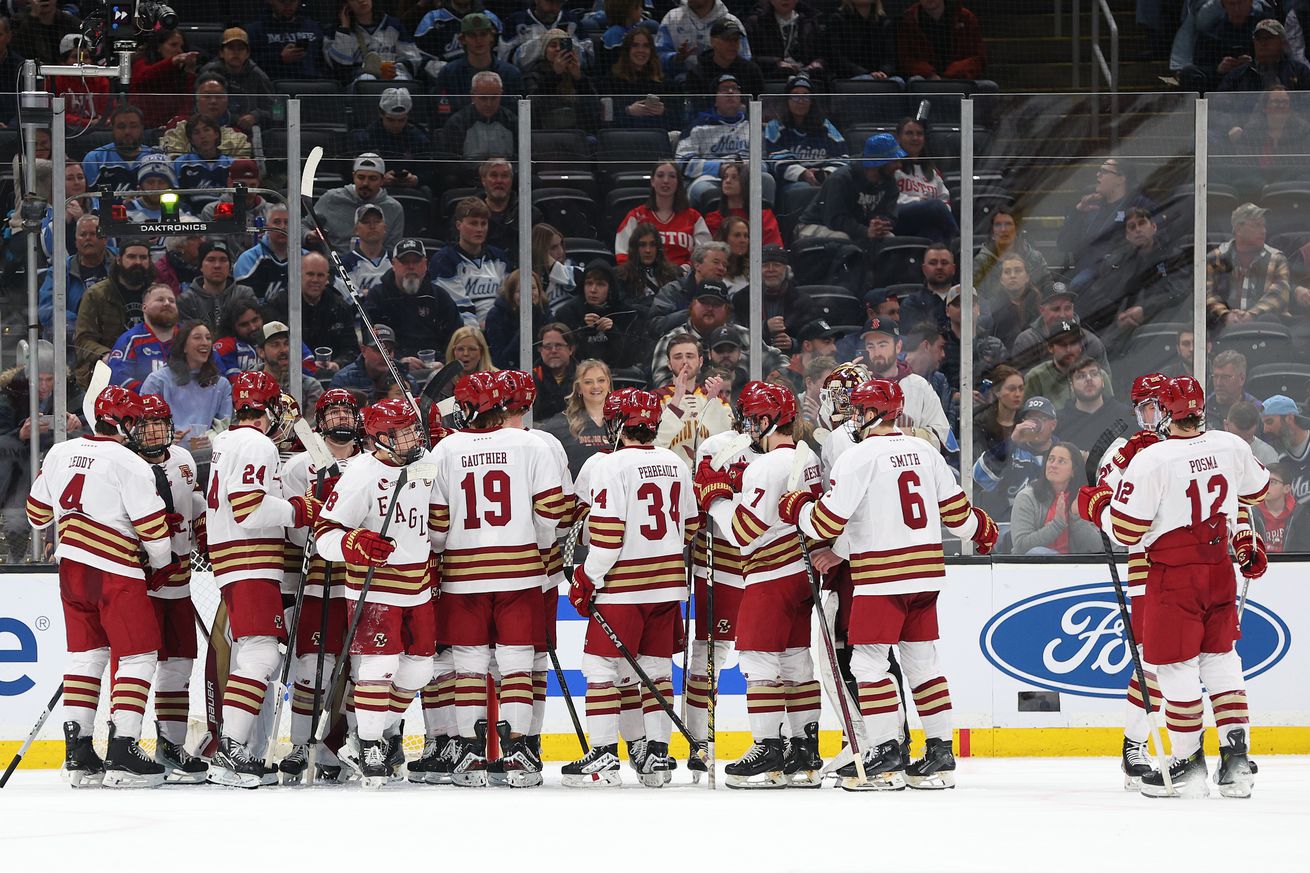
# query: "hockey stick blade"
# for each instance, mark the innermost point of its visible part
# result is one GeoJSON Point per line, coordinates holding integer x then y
{"type": "Point", "coordinates": [1100, 447]}
{"type": "Point", "coordinates": [310, 172]}
{"type": "Point", "coordinates": [313, 443]}
{"type": "Point", "coordinates": [799, 461]}
{"type": "Point", "coordinates": [99, 382]}
{"type": "Point", "coordinates": [734, 448]}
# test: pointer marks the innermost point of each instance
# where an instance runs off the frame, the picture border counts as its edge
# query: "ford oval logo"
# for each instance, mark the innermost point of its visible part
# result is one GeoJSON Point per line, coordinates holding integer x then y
{"type": "Point", "coordinates": [1072, 640]}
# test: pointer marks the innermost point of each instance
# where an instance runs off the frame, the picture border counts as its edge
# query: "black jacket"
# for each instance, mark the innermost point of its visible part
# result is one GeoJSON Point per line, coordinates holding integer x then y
{"type": "Point", "coordinates": [424, 320]}
{"type": "Point", "coordinates": [621, 346]}
{"type": "Point", "coordinates": [769, 48]}
{"type": "Point", "coordinates": [329, 322]}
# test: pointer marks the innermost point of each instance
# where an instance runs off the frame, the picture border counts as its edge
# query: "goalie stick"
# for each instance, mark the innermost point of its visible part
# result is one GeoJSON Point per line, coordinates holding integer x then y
{"type": "Point", "coordinates": [31, 737]}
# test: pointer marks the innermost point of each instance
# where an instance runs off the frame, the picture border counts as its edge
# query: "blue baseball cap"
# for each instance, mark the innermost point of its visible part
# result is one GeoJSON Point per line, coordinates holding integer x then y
{"type": "Point", "coordinates": [1280, 404]}
{"type": "Point", "coordinates": [882, 148]}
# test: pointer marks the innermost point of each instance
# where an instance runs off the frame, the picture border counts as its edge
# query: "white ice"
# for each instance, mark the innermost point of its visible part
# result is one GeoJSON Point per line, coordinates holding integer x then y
{"type": "Point", "coordinates": [1064, 814]}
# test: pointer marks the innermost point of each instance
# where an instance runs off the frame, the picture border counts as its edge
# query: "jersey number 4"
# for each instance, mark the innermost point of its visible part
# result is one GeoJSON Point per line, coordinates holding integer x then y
{"type": "Point", "coordinates": [71, 499]}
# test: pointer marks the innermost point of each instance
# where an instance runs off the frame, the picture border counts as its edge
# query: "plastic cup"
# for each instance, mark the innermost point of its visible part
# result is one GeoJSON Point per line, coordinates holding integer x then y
{"type": "Point", "coordinates": [322, 356]}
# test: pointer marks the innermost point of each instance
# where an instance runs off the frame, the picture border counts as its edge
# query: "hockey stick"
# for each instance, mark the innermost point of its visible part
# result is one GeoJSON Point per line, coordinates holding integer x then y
{"type": "Point", "coordinates": [321, 654]}
{"type": "Point", "coordinates": [1108, 436]}
{"type": "Point", "coordinates": [31, 737]}
{"type": "Point", "coordinates": [686, 623]}
{"type": "Point", "coordinates": [710, 649]}
{"type": "Point", "coordinates": [803, 453]}
{"type": "Point", "coordinates": [570, 543]}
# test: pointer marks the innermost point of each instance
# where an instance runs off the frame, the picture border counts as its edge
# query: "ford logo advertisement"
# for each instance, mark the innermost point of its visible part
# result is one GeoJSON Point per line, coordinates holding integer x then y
{"type": "Point", "coordinates": [1072, 640]}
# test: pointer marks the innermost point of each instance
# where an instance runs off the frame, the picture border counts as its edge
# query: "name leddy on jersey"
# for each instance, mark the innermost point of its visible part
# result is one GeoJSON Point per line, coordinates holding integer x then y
{"type": "Point", "coordinates": [81, 462]}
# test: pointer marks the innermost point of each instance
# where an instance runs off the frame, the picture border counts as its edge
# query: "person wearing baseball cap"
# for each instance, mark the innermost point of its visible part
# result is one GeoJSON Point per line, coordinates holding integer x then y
{"type": "Point", "coordinates": [1009, 464]}
{"type": "Point", "coordinates": [708, 311]}
{"type": "Point", "coordinates": [367, 261]}
{"type": "Point", "coordinates": [923, 409]}
{"type": "Point", "coordinates": [1053, 377]}
{"type": "Point", "coordinates": [154, 173]}
{"type": "Point", "coordinates": [478, 34]}
{"type": "Point", "coordinates": [336, 208]}
{"type": "Point", "coordinates": [207, 295]}
{"type": "Point", "coordinates": [438, 32]}
{"type": "Point", "coordinates": [369, 377]}
{"type": "Point", "coordinates": [602, 324]}
{"type": "Point", "coordinates": [1056, 307]}
{"type": "Point", "coordinates": [859, 201]}
{"type": "Point", "coordinates": [1269, 63]}
{"type": "Point", "coordinates": [249, 86]}
{"type": "Point", "coordinates": [728, 51]}
{"type": "Point", "coordinates": [395, 139]}
{"type": "Point", "coordinates": [421, 315]}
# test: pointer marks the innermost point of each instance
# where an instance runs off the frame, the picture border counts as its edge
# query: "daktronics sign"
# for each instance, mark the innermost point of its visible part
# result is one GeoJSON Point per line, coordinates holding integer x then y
{"type": "Point", "coordinates": [17, 647]}
{"type": "Point", "coordinates": [1072, 640]}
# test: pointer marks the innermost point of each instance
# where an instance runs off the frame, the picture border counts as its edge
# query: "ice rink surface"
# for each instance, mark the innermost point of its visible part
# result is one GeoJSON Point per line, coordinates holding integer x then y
{"type": "Point", "coordinates": [1059, 814]}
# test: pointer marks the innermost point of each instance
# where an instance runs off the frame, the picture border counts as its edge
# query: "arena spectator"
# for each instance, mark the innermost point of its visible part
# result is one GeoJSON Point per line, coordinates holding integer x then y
{"type": "Point", "coordinates": [39, 30]}
{"type": "Point", "coordinates": [709, 261]}
{"type": "Point", "coordinates": [616, 20]}
{"type": "Point", "coordinates": [603, 327]}
{"type": "Point", "coordinates": [263, 266]}
{"type": "Point", "coordinates": [816, 340]}
{"type": "Point", "coordinates": [78, 205]}
{"type": "Point", "coordinates": [477, 36]}
{"type": "Point", "coordinates": [1029, 347]}
{"type": "Point", "coordinates": [1094, 227]}
{"type": "Point", "coordinates": [923, 410]}
{"type": "Point", "coordinates": [484, 129]}
{"type": "Point", "coordinates": [1228, 386]}
{"type": "Point", "coordinates": [89, 264]}
{"type": "Point", "coordinates": [859, 201]}
{"type": "Point", "coordinates": [1269, 64]}
{"type": "Point", "coordinates": [1045, 519]}
{"type": "Point", "coordinates": [634, 78]}
{"type": "Point", "coordinates": [726, 56]}
{"type": "Point", "coordinates": [213, 102]}
{"type": "Point", "coordinates": [327, 318]}
{"type": "Point", "coordinates": [249, 88]}
{"type": "Point", "coordinates": [116, 163]}
{"type": "Point", "coordinates": [924, 349]}
{"type": "Point", "coordinates": [735, 200]}
{"type": "Point", "coordinates": [803, 146]}
{"type": "Point", "coordinates": [735, 233]}
{"type": "Point", "coordinates": [1245, 278]}
{"type": "Point", "coordinates": [788, 40]}
{"type": "Point", "coordinates": [928, 303]}
{"type": "Point", "coordinates": [681, 227]}
{"type": "Point", "coordinates": [146, 347]}
{"type": "Point", "coordinates": [1289, 431]}
{"type": "Point", "coordinates": [86, 100]}
{"type": "Point", "coordinates": [557, 370]}
{"type": "Point", "coordinates": [111, 306]}
{"type": "Point", "coordinates": [163, 75]}
{"type": "Point", "coordinates": [1053, 377]}
{"type": "Point", "coordinates": [717, 134]}
{"type": "Point", "coordinates": [685, 33]}
{"type": "Point", "coordinates": [11, 67]}
{"type": "Point", "coordinates": [1222, 47]}
{"type": "Point", "coordinates": [881, 303]}
{"type": "Point", "coordinates": [195, 391]}
{"type": "Point", "coordinates": [503, 331]}
{"type": "Point", "coordinates": [862, 41]}
{"type": "Point", "coordinates": [154, 176]}
{"type": "Point", "coordinates": [336, 209]}
{"type": "Point", "coordinates": [398, 140]}
{"type": "Point", "coordinates": [997, 407]}
{"type": "Point", "coordinates": [286, 42]}
{"type": "Point", "coordinates": [367, 262]}
{"type": "Point", "coordinates": [565, 95]}
{"type": "Point", "coordinates": [1016, 303]}
{"type": "Point", "coordinates": [500, 193]}
{"type": "Point", "coordinates": [525, 33]}
{"type": "Point", "coordinates": [786, 309]}
{"type": "Point", "coordinates": [202, 165]}
{"type": "Point", "coordinates": [243, 171]}
{"type": "Point", "coordinates": [438, 33]}
{"type": "Point", "coordinates": [1184, 349]}
{"type": "Point", "coordinates": [940, 39]}
{"type": "Point", "coordinates": [406, 296]}
{"type": "Point", "coordinates": [581, 426]}
{"type": "Point", "coordinates": [550, 264]}
{"type": "Point", "coordinates": [239, 329]}
{"type": "Point", "coordinates": [1273, 515]}
{"type": "Point", "coordinates": [204, 299]}
{"type": "Point", "coordinates": [275, 355]}
{"type": "Point", "coordinates": [179, 265]}
{"type": "Point", "coordinates": [709, 310]}
{"type": "Point", "coordinates": [1007, 466]}
{"type": "Point", "coordinates": [924, 206]}
{"type": "Point", "coordinates": [1004, 236]}
{"type": "Point", "coordinates": [368, 376]}
{"type": "Point", "coordinates": [695, 408]}
{"type": "Point", "coordinates": [1243, 419]}
{"type": "Point", "coordinates": [1090, 409]}
{"type": "Point", "coordinates": [368, 44]}
{"type": "Point", "coordinates": [644, 270]}
{"type": "Point", "coordinates": [469, 270]}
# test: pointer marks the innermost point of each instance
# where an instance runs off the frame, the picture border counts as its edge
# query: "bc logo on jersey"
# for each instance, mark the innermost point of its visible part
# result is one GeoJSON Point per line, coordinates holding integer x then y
{"type": "Point", "coordinates": [1072, 640]}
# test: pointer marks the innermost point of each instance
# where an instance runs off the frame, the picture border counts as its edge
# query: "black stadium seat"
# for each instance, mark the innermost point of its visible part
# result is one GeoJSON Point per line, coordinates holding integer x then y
{"type": "Point", "coordinates": [568, 210]}
{"type": "Point", "coordinates": [1291, 380]}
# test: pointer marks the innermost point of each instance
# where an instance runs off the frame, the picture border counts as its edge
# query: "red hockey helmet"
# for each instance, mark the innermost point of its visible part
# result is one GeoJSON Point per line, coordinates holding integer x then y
{"type": "Point", "coordinates": [519, 389]}
{"type": "Point", "coordinates": [393, 427]}
{"type": "Point", "coordinates": [880, 396]}
{"type": "Point", "coordinates": [1183, 397]}
{"type": "Point", "coordinates": [338, 398]}
{"type": "Point", "coordinates": [1150, 386]}
{"type": "Point", "coordinates": [123, 409]}
{"type": "Point", "coordinates": [477, 393]}
{"type": "Point", "coordinates": [613, 401]}
{"type": "Point", "coordinates": [156, 409]}
{"type": "Point", "coordinates": [765, 400]}
{"type": "Point", "coordinates": [256, 391]}
{"type": "Point", "coordinates": [437, 430]}
{"type": "Point", "coordinates": [640, 409]}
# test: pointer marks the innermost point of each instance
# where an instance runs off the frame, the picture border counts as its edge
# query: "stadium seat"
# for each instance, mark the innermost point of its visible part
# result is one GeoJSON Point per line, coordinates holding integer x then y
{"type": "Point", "coordinates": [627, 156]}
{"type": "Point", "coordinates": [571, 212]}
{"type": "Point", "coordinates": [321, 102]}
{"type": "Point", "coordinates": [1292, 380]}
{"type": "Point", "coordinates": [1288, 204]}
{"type": "Point", "coordinates": [899, 260]}
{"type": "Point", "coordinates": [582, 251]}
{"type": "Point", "coordinates": [838, 305]}
{"type": "Point", "coordinates": [419, 214]}
{"type": "Point", "coordinates": [1262, 343]}
{"type": "Point", "coordinates": [618, 203]}
{"type": "Point", "coordinates": [562, 159]}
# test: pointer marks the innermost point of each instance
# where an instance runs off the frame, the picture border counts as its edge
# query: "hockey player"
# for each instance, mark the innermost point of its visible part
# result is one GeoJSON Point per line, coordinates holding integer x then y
{"type": "Point", "coordinates": [170, 591]}
{"type": "Point", "coordinates": [244, 521]}
{"type": "Point", "coordinates": [835, 411]}
{"type": "Point", "coordinates": [1180, 499]}
{"type": "Point", "coordinates": [493, 486]}
{"type": "Point", "coordinates": [391, 653]}
{"type": "Point", "coordinates": [1146, 394]}
{"type": "Point", "coordinates": [103, 501]}
{"type": "Point", "coordinates": [773, 627]}
{"type": "Point", "coordinates": [888, 498]}
{"type": "Point", "coordinates": [642, 512]}
{"type": "Point", "coordinates": [338, 420]}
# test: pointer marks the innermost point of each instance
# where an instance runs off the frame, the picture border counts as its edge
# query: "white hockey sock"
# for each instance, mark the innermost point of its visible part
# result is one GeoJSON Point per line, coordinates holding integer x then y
{"type": "Point", "coordinates": [766, 709]}
{"type": "Point", "coordinates": [172, 702]}
{"type": "Point", "coordinates": [302, 695]}
{"type": "Point", "coordinates": [632, 721]}
{"type": "Point", "coordinates": [603, 703]}
{"type": "Point", "coordinates": [129, 693]}
{"type": "Point", "coordinates": [657, 722]}
{"type": "Point", "coordinates": [470, 702]}
{"type": "Point", "coordinates": [516, 701]}
{"type": "Point", "coordinates": [253, 661]}
{"type": "Point", "coordinates": [1136, 727]}
{"type": "Point", "coordinates": [538, 703]}
{"type": "Point", "coordinates": [803, 704]}
{"type": "Point", "coordinates": [1222, 675]}
{"type": "Point", "coordinates": [1180, 684]}
{"type": "Point", "coordinates": [82, 687]}
{"type": "Point", "coordinates": [698, 702]}
{"type": "Point", "coordinates": [932, 700]}
{"type": "Point", "coordinates": [439, 707]}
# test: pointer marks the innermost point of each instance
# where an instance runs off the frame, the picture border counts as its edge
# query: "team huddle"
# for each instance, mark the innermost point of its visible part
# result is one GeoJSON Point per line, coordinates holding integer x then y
{"type": "Point", "coordinates": [396, 558]}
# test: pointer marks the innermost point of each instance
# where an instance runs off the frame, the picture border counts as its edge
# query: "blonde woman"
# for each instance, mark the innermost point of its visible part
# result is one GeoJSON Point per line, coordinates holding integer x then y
{"type": "Point", "coordinates": [580, 426]}
{"type": "Point", "coordinates": [468, 346]}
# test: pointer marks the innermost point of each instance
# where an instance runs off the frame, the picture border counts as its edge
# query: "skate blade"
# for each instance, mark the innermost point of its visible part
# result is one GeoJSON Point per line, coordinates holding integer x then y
{"type": "Point", "coordinates": [439, 779]}
{"type": "Point", "coordinates": [291, 780]}
{"type": "Point", "coordinates": [126, 780]}
{"type": "Point", "coordinates": [805, 779]}
{"type": "Point", "coordinates": [1239, 788]}
{"type": "Point", "coordinates": [374, 783]}
{"type": "Point", "coordinates": [82, 779]}
{"type": "Point", "coordinates": [269, 778]}
{"type": "Point", "coordinates": [607, 779]}
{"type": "Point", "coordinates": [473, 779]}
{"type": "Point", "coordinates": [653, 780]}
{"type": "Point", "coordinates": [880, 782]}
{"type": "Point", "coordinates": [765, 781]}
{"type": "Point", "coordinates": [523, 779]}
{"type": "Point", "coordinates": [232, 779]}
{"type": "Point", "coordinates": [496, 779]}
{"type": "Point", "coordinates": [1193, 789]}
{"type": "Point", "coordinates": [936, 782]}
{"type": "Point", "coordinates": [181, 777]}
{"type": "Point", "coordinates": [419, 778]}
{"type": "Point", "coordinates": [1132, 783]}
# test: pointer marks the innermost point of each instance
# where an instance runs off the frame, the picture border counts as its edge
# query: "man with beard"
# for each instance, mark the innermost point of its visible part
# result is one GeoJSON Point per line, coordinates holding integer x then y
{"type": "Point", "coordinates": [145, 348]}
{"type": "Point", "coordinates": [337, 208]}
{"type": "Point", "coordinates": [263, 267]}
{"type": "Point", "coordinates": [206, 296]}
{"type": "Point", "coordinates": [425, 315]}
{"type": "Point", "coordinates": [111, 306]}
{"type": "Point", "coordinates": [366, 262]}
{"type": "Point", "coordinates": [240, 332]}
{"type": "Point", "coordinates": [1090, 410]}
{"type": "Point", "coordinates": [928, 303]}
{"type": "Point", "coordinates": [922, 412]}
{"type": "Point", "coordinates": [499, 192]}
{"type": "Point", "coordinates": [275, 351]}
{"type": "Point", "coordinates": [116, 163]}
{"type": "Point", "coordinates": [708, 312]}
{"type": "Point", "coordinates": [1053, 378]}
{"type": "Point", "coordinates": [327, 319]}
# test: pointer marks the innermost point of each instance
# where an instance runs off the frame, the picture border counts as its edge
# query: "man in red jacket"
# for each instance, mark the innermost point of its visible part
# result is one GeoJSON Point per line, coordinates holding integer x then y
{"type": "Point", "coordinates": [940, 39]}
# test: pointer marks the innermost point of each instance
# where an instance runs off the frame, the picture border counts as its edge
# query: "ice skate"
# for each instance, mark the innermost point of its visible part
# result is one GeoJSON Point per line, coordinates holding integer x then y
{"type": "Point", "coordinates": [803, 763]}
{"type": "Point", "coordinates": [884, 770]}
{"type": "Point", "coordinates": [422, 770]}
{"type": "Point", "coordinates": [599, 768]}
{"type": "Point", "coordinates": [935, 770]}
{"type": "Point", "coordinates": [128, 766]}
{"type": "Point", "coordinates": [1136, 763]}
{"type": "Point", "coordinates": [656, 768]}
{"type": "Point", "coordinates": [636, 754]}
{"type": "Point", "coordinates": [521, 767]}
{"type": "Point", "coordinates": [468, 764]}
{"type": "Point", "coordinates": [1188, 774]}
{"type": "Point", "coordinates": [495, 769]}
{"type": "Point", "coordinates": [351, 755]}
{"type": "Point", "coordinates": [395, 745]}
{"type": "Point", "coordinates": [294, 765]}
{"type": "Point", "coordinates": [375, 767]}
{"type": "Point", "coordinates": [180, 766]}
{"type": "Point", "coordinates": [760, 767]}
{"type": "Point", "coordinates": [82, 766]}
{"type": "Point", "coordinates": [232, 766]}
{"type": "Point", "coordinates": [1235, 776]}
{"type": "Point", "coordinates": [328, 774]}
{"type": "Point", "coordinates": [697, 768]}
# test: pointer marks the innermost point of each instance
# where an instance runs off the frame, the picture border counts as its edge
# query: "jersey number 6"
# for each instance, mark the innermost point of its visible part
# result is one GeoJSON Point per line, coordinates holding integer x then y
{"type": "Point", "coordinates": [913, 511]}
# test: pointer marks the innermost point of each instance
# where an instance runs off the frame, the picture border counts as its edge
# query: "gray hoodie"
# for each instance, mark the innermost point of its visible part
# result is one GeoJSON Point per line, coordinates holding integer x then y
{"type": "Point", "coordinates": [195, 303]}
{"type": "Point", "coordinates": [336, 211]}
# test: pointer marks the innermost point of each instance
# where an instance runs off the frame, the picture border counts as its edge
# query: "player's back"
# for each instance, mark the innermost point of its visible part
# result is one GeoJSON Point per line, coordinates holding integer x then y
{"type": "Point", "coordinates": [729, 566]}
{"type": "Point", "coordinates": [243, 468]}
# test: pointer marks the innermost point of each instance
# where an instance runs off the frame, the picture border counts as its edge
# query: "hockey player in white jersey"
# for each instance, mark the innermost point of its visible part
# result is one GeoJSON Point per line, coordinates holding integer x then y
{"type": "Point", "coordinates": [835, 411]}
{"type": "Point", "coordinates": [493, 486]}
{"type": "Point", "coordinates": [391, 653]}
{"type": "Point", "coordinates": [773, 628]}
{"type": "Point", "coordinates": [338, 420]}
{"type": "Point", "coordinates": [642, 513]}
{"type": "Point", "coordinates": [888, 498]}
{"type": "Point", "coordinates": [245, 515]}
{"type": "Point", "coordinates": [170, 590]}
{"type": "Point", "coordinates": [102, 500]}
{"type": "Point", "coordinates": [1180, 499]}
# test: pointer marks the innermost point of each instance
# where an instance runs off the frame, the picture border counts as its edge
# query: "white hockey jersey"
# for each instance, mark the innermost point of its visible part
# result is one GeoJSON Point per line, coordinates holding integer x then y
{"type": "Point", "coordinates": [887, 500]}
{"type": "Point", "coordinates": [548, 534]}
{"type": "Point", "coordinates": [300, 475]}
{"type": "Point", "coordinates": [245, 509]}
{"type": "Point", "coordinates": [838, 442]}
{"type": "Point", "coordinates": [101, 497]}
{"type": "Point", "coordinates": [729, 566]}
{"type": "Point", "coordinates": [491, 489]}
{"type": "Point", "coordinates": [643, 512]}
{"type": "Point", "coordinates": [188, 502]}
{"type": "Point", "coordinates": [770, 548]}
{"type": "Point", "coordinates": [1108, 473]}
{"type": "Point", "coordinates": [360, 500]}
{"type": "Point", "coordinates": [1182, 482]}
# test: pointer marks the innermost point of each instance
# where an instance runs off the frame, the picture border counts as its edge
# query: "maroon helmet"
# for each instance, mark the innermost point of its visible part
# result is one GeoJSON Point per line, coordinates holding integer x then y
{"type": "Point", "coordinates": [256, 391]}
{"type": "Point", "coordinates": [385, 421]}
{"type": "Point", "coordinates": [638, 409]}
{"type": "Point", "coordinates": [1183, 397]}
{"type": "Point", "coordinates": [155, 408]}
{"type": "Point", "coordinates": [1150, 386]}
{"type": "Point", "coordinates": [477, 393]}
{"type": "Point", "coordinates": [330, 399]}
{"type": "Point", "coordinates": [613, 401]}
{"type": "Point", "coordinates": [882, 396]}
{"type": "Point", "coordinates": [519, 389]}
{"type": "Point", "coordinates": [123, 409]}
{"type": "Point", "coordinates": [764, 400]}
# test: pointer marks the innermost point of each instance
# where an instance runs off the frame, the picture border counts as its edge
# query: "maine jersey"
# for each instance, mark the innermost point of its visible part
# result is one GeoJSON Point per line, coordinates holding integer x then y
{"type": "Point", "coordinates": [472, 282]}
{"type": "Point", "coordinates": [887, 499]}
{"type": "Point", "coordinates": [299, 476]}
{"type": "Point", "coordinates": [642, 507]}
{"type": "Point", "coordinates": [188, 502]}
{"type": "Point", "coordinates": [362, 498]}
{"type": "Point", "coordinates": [245, 513]}
{"type": "Point", "coordinates": [102, 499]}
{"type": "Point", "coordinates": [770, 548]}
{"type": "Point", "coordinates": [491, 491]}
{"type": "Point", "coordinates": [548, 534]}
{"type": "Point", "coordinates": [729, 568]}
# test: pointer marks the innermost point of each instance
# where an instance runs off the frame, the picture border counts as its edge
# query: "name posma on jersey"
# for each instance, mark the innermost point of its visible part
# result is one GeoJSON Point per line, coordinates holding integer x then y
{"type": "Point", "coordinates": [1201, 465]}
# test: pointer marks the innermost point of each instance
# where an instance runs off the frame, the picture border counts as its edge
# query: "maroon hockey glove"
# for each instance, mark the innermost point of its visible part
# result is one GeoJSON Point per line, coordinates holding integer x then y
{"type": "Point", "coordinates": [1092, 500]}
{"type": "Point", "coordinates": [985, 537]}
{"type": "Point", "coordinates": [157, 579]}
{"type": "Point", "coordinates": [175, 522]}
{"type": "Point", "coordinates": [735, 474]}
{"type": "Point", "coordinates": [789, 506]}
{"type": "Point", "coordinates": [200, 530]}
{"type": "Point", "coordinates": [1135, 444]}
{"type": "Point", "coordinates": [711, 484]}
{"type": "Point", "coordinates": [1251, 555]}
{"type": "Point", "coordinates": [364, 547]}
{"type": "Point", "coordinates": [582, 592]}
{"type": "Point", "coordinates": [305, 509]}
